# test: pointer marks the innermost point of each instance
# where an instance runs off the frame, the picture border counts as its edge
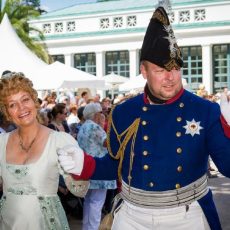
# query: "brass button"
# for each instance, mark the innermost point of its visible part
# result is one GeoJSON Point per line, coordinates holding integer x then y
{"type": "Point", "coordinates": [145, 153]}
{"type": "Point", "coordinates": [143, 122]}
{"type": "Point", "coordinates": [179, 150]}
{"type": "Point", "coordinates": [178, 134]}
{"type": "Point", "coordinates": [144, 108]}
{"type": "Point", "coordinates": [181, 105]}
{"type": "Point", "coordinates": [179, 169]}
{"type": "Point", "coordinates": [177, 186]}
{"type": "Point", "coordinates": [145, 137]}
{"type": "Point", "coordinates": [146, 167]}
{"type": "Point", "coordinates": [151, 184]}
{"type": "Point", "coordinates": [179, 119]}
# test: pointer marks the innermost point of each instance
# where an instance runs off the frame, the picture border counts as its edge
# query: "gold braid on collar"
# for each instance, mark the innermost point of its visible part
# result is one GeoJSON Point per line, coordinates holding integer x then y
{"type": "Point", "coordinates": [127, 135]}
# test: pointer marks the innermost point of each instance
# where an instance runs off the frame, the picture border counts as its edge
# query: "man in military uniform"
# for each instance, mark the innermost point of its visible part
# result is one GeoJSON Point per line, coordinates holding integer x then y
{"type": "Point", "coordinates": [159, 144]}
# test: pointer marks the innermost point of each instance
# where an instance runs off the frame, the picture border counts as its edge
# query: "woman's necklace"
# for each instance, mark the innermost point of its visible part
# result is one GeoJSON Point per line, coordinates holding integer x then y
{"type": "Point", "coordinates": [23, 147]}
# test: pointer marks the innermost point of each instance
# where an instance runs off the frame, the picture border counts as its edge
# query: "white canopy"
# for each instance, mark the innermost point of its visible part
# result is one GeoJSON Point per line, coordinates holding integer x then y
{"type": "Point", "coordinates": [114, 79]}
{"type": "Point", "coordinates": [138, 83]}
{"type": "Point", "coordinates": [59, 75]}
{"type": "Point", "coordinates": [135, 83]}
{"type": "Point", "coordinates": [15, 56]}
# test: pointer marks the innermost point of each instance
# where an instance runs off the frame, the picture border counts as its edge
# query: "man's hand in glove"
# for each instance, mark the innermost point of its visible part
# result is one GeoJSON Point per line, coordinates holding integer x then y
{"type": "Point", "coordinates": [71, 158]}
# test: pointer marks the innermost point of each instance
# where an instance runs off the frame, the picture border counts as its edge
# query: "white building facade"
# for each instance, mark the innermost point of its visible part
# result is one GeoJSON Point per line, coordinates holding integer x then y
{"type": "Point", "coordinates": [106, 37]}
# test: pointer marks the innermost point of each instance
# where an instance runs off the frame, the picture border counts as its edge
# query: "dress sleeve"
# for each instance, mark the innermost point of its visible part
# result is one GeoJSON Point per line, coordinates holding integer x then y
{"type": "Point", "coordinates": [3, 141]}
{"type": "Point", "coordinates": [76, 187]}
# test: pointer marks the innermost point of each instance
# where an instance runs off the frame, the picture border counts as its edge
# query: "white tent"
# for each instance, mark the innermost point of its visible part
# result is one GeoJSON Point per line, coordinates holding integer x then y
{"type": "Point", "coordinates": [113, 81]}
{"type": "Point", "coordinates": [59, 75]}
{"type": "Point", "coordinates": [135, 83]}
{"type": "Point", "coordinates": [138, 83]}
{"type": "Point", "coordinates": [15, 56]}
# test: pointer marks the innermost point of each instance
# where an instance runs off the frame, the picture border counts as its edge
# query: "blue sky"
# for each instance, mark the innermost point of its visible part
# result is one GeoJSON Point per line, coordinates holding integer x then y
{"type": "Point", "coordinates": [50, 5]}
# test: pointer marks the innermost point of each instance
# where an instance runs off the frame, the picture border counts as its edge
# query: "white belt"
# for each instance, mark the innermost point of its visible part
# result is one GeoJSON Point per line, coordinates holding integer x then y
{"type": "Point", "coordinates": [163, 199]}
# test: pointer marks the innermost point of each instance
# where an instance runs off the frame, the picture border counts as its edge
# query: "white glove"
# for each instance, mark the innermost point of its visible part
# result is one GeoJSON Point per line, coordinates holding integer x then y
{"type": "Point", "coordinates": [225, 107]}
{"type": "Point", "coordinates": [71, 159]}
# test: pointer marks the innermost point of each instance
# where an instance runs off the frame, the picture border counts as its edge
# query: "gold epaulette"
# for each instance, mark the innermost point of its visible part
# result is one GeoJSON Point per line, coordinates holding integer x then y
{"type": "Point", "coordinates": [127, 135]}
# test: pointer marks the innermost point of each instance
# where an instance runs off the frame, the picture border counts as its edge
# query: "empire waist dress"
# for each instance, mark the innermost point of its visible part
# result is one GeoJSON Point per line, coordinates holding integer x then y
{"type": "Point", "coordinates": [30, 198]}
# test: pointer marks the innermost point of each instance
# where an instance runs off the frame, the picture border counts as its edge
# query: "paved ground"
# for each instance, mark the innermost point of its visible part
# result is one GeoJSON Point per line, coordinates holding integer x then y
{"type": "Point", "coordinates": [221, 191]}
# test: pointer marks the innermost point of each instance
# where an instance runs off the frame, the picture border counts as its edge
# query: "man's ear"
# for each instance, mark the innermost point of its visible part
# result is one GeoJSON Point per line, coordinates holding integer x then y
{"type": "Point", "coordinates": [143, 70]}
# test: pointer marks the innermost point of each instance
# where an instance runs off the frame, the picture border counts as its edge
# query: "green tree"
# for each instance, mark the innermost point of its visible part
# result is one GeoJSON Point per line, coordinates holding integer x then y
{"type": "Point", "coordinates": [19, 13]}
{"type": "Point", "coordinates": [36, 4]}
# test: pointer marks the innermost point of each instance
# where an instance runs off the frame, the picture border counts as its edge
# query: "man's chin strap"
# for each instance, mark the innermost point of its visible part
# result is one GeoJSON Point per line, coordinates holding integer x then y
{"type": "Point", "coordinates": [152, 98]}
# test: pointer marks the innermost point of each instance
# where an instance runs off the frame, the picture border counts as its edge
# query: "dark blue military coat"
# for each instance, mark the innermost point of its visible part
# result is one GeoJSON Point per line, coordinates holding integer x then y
{"type": "Point", "coordinates": [172, 145]}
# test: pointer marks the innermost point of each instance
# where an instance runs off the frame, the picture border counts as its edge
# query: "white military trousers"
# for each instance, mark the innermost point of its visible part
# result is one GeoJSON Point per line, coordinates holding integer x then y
{"type": "Point", "coordinates": [130, 217]}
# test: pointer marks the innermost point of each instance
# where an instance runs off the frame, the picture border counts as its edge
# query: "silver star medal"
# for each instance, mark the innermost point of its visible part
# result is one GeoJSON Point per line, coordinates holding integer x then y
{"type": "Point", "coordinates": [193, 127]}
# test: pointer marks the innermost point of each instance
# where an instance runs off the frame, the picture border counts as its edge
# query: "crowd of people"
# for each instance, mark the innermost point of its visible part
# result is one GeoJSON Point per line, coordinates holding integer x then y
{"type": "Point", "coordinates": [151, 150]}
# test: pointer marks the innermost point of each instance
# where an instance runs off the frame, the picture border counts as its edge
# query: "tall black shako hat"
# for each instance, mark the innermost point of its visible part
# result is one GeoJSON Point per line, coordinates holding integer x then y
{"type": "Point", "coordinates": [159, 46]}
